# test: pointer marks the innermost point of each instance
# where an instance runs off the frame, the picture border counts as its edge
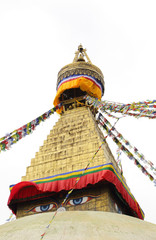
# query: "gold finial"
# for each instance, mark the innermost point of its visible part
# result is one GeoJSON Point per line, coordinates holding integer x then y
{"type": "Point", "coordinates": [80, 48]}
{"type": "Point", "coordinates": [80, 54]}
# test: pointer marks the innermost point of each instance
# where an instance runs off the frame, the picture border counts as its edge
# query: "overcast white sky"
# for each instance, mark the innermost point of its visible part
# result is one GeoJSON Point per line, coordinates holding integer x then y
{"type": "Point", "coordinates": [37, 38]}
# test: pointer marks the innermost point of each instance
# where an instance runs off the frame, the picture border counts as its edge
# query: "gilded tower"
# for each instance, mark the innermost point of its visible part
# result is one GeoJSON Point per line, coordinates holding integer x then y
{"type": "Point", "coordinates": [75, 156]}
{"type": "Point", "coordinates": [75, 172]}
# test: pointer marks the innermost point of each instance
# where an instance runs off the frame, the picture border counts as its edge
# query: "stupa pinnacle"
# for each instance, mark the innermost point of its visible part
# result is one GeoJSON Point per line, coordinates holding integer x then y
{"type": "Point", "coordinates": [80, 54]}
{"type": "Point", "coordinates": [79, 78]}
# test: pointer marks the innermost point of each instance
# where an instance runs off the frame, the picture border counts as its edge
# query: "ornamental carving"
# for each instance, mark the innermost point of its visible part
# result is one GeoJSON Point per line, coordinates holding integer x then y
{"type": "Point", "coordinates": [80, 68]}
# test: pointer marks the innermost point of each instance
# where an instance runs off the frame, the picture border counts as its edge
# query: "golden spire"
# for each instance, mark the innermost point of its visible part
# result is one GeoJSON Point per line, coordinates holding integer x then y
{"type": "Point", "coordinates": [80, 54]}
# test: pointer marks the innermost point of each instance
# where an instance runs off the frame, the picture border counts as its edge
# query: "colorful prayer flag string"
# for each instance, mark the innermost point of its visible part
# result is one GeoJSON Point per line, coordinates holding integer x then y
{"type": "Point", "coordinates": [105, 125]}
{"type": "Point", "coordinates": [135, 109]}
{"type": "Point", "coordinates": [148, 164]}
{"type": "Point", "coordinates": [7, 141]}
{"type": "Point", "coordinates": [118, 160]}
{"type": "Point", "coordinates": [10, 217]}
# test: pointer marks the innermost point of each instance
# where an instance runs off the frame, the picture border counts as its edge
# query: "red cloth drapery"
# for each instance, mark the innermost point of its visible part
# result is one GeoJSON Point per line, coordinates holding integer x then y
{"type": "Point", "coordinates": [23, 190]}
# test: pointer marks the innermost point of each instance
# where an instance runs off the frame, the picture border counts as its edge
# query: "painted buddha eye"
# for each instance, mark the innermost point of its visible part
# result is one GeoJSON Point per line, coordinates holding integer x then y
{"type": "Point", "coordinates": [43, 208]}
{"type": "Point", "coordinates": [78, 201]}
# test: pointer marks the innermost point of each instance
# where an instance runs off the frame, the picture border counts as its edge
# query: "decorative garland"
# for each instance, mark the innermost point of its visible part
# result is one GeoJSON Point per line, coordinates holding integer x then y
{"type": "Point", "coordinates": [105, 123]}
{"type": "Point", "coordinates": [138, 109]}
{"type": "Point", "coordinates": [7, 141]}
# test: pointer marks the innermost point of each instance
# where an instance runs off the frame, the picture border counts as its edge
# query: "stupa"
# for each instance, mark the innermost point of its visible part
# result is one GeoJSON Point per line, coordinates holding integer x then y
{"type": "Point", "coordinates": [69, 174]}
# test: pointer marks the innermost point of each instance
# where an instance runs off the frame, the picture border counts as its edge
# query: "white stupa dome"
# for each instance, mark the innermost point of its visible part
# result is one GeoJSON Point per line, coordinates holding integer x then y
{"type": "Point", "coordinates": [78, 225]}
